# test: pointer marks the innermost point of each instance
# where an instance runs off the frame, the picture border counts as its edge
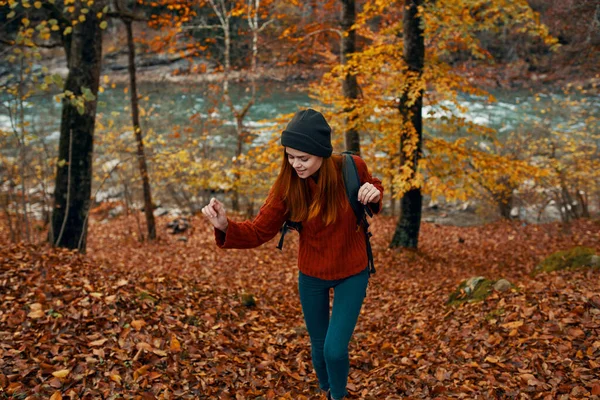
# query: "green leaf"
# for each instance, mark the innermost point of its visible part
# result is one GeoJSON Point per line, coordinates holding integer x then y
{"type": "Point", "coordinates": [58, 80]}
{"type": "Point", "coordinates": [87, 94]}
{"type": "Point", "coordinates": [68, 30]}
{"type": "Point", "coordinates": [61, 163]}
{"type": "Point", "coordinates": [103, 25]}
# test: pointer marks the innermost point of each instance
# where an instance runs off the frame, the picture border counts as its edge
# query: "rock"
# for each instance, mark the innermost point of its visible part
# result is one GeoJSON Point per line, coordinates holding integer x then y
{"type": "Point", "coordinates": [178, 225]}
{"type": "Point", "coordinates": [159, 212]}
{"type": "Point", "coordinates": [182, 239]}
{"type": "Point", "coordinates": [595, 261]}
{"type": "Point", "coordinates": [471, 283]}
{"type": "Point", "coordinates": [115, 212]}
{"type": "Point", "coordinates": [502, 285]}
{"type": "Point", "coordinates": [473, 289]}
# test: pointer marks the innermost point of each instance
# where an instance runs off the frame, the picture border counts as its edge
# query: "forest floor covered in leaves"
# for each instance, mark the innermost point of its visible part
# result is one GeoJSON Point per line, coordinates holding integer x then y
{"type": "Point", "coordinates": [166, 320]}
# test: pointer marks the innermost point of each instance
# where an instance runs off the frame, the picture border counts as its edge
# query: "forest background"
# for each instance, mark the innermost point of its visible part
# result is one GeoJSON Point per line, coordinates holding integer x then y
{"type": "Point", "coordinates": [121, 119]}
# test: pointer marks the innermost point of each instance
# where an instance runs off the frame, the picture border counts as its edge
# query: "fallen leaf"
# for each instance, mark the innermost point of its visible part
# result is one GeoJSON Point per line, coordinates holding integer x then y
{"type": "Point", "coordinates": [160, 353]}
{"type": "Point", "coordinates": [138, 324]}
{"type": "Point", "coordinates": [175, 345]}
{"type": "Point", "coordinates": [98, 342]}
{"type": "Point", "coordinates": [61, 373]}
{"type": "Point", "coordinates": [56, 396]}
{"type": "Point", "coordinates": [512, 325]}
{"type": "Point", "coordinates": [36, 314]}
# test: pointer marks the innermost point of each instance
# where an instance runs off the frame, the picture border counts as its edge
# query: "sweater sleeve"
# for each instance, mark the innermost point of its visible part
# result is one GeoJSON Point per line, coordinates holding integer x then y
{"type": "Point", "coordinates": [365, 176]}
{"type": "Point", "coordinates": [249, 234]}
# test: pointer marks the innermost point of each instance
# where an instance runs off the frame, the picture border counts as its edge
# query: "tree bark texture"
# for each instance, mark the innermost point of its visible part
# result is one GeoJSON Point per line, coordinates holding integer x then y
{"type": "Point", "coordinates": [409, 224]}
{"type": "Point", "coordinates": [350, 83]}
{"type": "Point", "coordinates": [135, 115]}
{"type": "Point", "coordinates": [76, 144]}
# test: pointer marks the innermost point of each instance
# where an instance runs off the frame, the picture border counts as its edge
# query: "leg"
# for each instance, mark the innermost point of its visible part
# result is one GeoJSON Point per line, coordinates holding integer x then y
{"type": "Point", "coordinates": [347, 302]}
{"type": "Point", "coordinates": [314, 297]}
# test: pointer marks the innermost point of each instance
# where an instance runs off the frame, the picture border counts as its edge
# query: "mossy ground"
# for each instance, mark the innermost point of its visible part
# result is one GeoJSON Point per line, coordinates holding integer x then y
{"type": "Point", "coordinates": [479, 293]}
{"type": "Point", "coordinates": [576, 257]}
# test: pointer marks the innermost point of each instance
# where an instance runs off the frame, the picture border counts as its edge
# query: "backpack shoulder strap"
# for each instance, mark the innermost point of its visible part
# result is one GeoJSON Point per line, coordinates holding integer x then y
{"type": "Point", "coordinates": [352, 185]}
{"type": "Point", "coordinates": [287, 225]}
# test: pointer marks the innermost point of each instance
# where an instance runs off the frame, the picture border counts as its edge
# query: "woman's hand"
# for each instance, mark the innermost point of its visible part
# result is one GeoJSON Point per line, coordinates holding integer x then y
{"type": "Point", "coordinates": [368, 193]}
{"type": "Point", "coordinates": [215, 212]}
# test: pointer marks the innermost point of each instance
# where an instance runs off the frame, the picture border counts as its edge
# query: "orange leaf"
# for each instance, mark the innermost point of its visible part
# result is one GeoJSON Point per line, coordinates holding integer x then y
{"type": "Point", "coordinates": [175, 345]}
{"type": "Point", "coordinates": [513, 325]}
{"type": "Point", "coordinates": [138, 324]}
{"type": "Point", "coordinates": [56, 396]}
{"type": "Point", "coordinates": [98, 342]}
{"type": "Point", "coordinates": [61, 373]}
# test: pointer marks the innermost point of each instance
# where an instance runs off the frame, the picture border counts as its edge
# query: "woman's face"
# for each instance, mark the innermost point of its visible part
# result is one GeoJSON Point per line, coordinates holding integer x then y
{"type": "Point", "coordinates": [303, 163]}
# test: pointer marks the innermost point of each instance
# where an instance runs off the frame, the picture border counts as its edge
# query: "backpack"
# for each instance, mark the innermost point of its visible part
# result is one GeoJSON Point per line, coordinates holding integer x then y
{"type": "Point", "coordinates": [352, 185]}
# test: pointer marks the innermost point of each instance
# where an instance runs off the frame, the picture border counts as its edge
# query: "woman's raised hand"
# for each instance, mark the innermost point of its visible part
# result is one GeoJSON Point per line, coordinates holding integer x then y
{"type": "Point", "coordinates": [215, 212]}
{"type": "Point", "coordinates": [368, 193]}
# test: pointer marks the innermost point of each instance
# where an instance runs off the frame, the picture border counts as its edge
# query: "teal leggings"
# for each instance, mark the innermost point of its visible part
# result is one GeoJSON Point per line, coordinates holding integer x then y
{"type": "Point", "coordinates": [330, 337]}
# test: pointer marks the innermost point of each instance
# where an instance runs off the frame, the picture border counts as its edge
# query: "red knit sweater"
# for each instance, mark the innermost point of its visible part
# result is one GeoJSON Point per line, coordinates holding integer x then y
{"type": "Point", "coordinates": [327, 252]}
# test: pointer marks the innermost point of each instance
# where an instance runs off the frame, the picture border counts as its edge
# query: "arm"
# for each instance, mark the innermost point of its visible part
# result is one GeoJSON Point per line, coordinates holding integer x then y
{"type": "Point", "coordinates": [371, 189]}
{"type": "Point", "coordinates": [249, 234]}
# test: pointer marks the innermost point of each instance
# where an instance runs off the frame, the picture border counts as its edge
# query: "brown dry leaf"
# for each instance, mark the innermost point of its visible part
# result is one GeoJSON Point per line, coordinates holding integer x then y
{"type": "Point", "coordinates": [140, 372]}
{"type": "Point", "coordinates": [175, 346]}
{"type": "Point", "coordinates": [405, 346]}
{"type": "Point", "coordinates": [56, 396]}
{"type": "Point", "coordinates": [138, 324]}
{"type": "Point", "coordinates": [61, 373]}
{"type": "Point", "coordinates": [14, 387]}
{"type": "Point", "coordinates": [98, 342]}
{"type": "Point", "coordinates": [36, 314]}
{"type": "Point", "coordinates": [512, 325]}
{"type": "Point", "coordinates": [143, 346]}
{"type": "Point", "coordinates": [160, 353]}
{"type": "Point", "coordinates": [110, 299]}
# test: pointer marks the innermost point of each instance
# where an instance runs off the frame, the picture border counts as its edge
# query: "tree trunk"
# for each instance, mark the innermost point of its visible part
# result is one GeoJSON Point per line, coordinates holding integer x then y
{"type": "Point", "coordinates": [135, 115]}
{"type": "Point", "coordinates": [235, 201]}
{"type": "Point", "coordinates": [22, 154]}
{"type": "Point", "coordinates": [504, 206]}
{"type": "Point", "coordinates": [350, 84]}
{"type": "Point", "coordinates": [409, 224]}
{"type": "Point", "coordinates": [76, 144]}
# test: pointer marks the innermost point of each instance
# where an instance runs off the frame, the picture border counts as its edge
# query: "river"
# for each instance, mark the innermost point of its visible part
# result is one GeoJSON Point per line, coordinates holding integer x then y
{"type": "Point", "coordinates": [167, 105]}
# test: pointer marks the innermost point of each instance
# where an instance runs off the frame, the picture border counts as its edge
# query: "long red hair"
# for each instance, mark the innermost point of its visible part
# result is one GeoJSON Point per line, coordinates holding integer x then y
{"type": "Point", "coordinates": [329, 198]}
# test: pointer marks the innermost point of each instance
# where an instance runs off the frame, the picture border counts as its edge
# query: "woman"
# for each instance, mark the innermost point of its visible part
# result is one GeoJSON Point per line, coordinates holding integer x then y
{"type": "Point", "coordinates": [332, 252]}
